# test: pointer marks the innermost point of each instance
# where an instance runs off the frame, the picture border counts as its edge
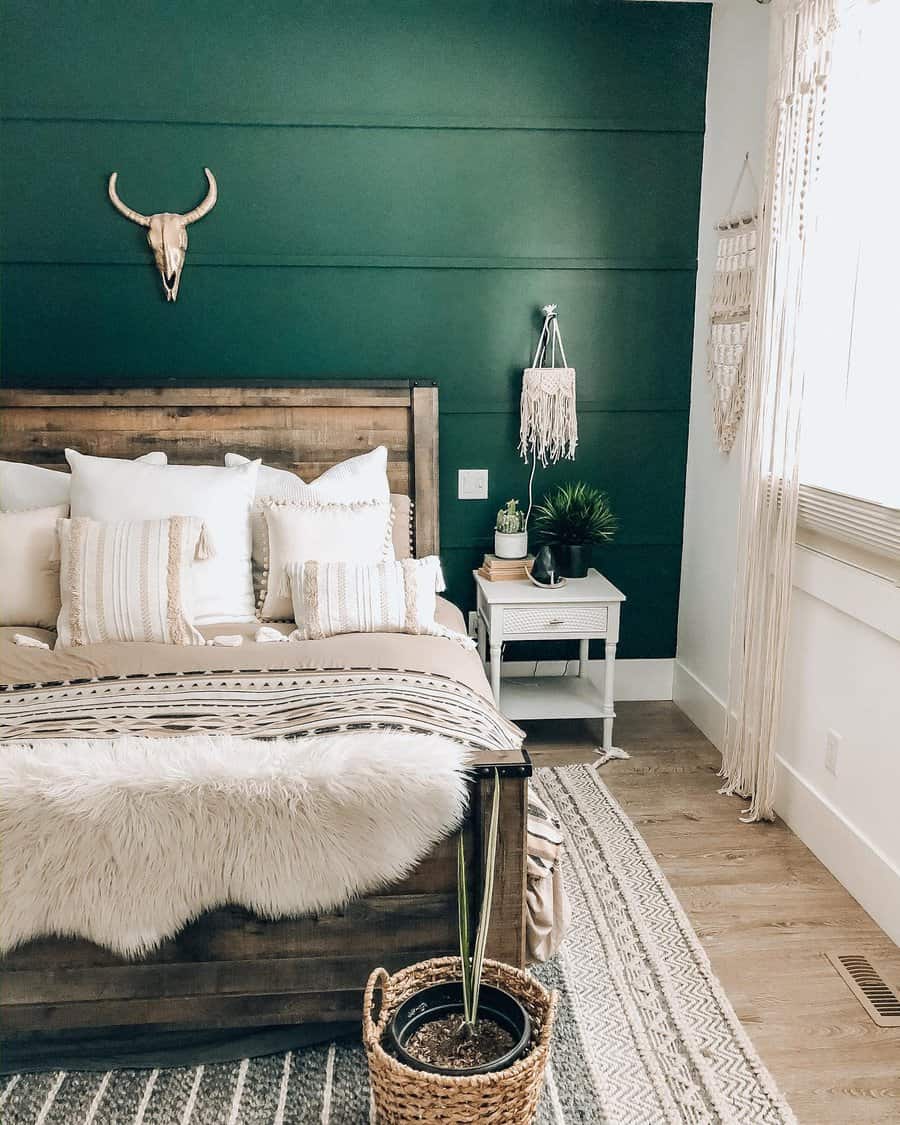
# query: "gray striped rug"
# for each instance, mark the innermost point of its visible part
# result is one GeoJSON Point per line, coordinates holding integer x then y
{"type": "Point", "coordinates": [645, 1034]}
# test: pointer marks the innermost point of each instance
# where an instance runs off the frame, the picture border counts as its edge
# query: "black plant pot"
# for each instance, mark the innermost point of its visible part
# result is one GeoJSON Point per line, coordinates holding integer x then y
{"type": "Point", "coordinates": [445, 999]}
{"type": "Point", "coordinates": [573, 559]}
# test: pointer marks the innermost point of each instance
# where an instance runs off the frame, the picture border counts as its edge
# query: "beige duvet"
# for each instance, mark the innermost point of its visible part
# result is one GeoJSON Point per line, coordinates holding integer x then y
{"type": "Point", "coordinates": [436, 655]}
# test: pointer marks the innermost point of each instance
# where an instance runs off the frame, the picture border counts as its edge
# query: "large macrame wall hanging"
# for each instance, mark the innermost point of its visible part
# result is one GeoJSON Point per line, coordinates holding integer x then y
{"type": "Point", "coordinates": [732, 292]}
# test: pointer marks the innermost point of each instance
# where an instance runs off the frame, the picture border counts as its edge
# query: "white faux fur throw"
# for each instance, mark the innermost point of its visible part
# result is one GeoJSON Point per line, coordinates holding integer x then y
{"type": "Point", "coordinates": [123, 841]}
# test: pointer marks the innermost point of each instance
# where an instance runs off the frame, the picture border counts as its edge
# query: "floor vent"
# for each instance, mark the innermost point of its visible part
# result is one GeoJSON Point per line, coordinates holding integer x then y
{"type": "Point", "coordinates": [869, 987]}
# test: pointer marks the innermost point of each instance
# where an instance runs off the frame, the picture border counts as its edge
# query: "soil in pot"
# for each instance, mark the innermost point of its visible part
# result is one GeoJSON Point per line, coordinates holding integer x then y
{"type": "Point", "coordinates": [444, 1043]}
{"type": "Point", "coordinates": [440, 1006]}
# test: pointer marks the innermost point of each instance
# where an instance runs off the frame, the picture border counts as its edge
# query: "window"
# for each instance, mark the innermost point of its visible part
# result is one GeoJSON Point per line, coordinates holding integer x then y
{"type": "Point", "coordinates": [851, 410]}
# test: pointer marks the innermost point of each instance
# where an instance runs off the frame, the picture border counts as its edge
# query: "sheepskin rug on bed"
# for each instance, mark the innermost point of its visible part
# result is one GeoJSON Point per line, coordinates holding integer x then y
{"type": "Point", "coordinates": [123, 841]}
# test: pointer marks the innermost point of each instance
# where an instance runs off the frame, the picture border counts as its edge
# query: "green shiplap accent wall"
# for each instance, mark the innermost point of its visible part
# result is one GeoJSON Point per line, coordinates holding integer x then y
{"type": "Point", "coordinates": [402, 184]}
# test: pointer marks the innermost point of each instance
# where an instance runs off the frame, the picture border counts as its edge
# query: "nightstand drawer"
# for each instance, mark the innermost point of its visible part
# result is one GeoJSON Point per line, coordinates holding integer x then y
{"type": "Point", "coordinates": [569, 619]}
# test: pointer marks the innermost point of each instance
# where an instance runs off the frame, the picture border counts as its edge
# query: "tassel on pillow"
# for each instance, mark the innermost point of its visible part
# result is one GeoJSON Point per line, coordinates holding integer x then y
{"type": "Point", "coordinates": [54, 559]}
{"type": "Point", "coordinates": [284, 584]}
{"type": "Point", "coordinates": [266, 635]}
{"type": "Point", "coordinates": [28, 642]}
{"type": "Point", "coordinates": [205, 546]}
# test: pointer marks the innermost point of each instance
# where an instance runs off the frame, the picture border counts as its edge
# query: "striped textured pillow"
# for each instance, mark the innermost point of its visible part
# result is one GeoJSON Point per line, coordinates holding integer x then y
{"type": "Point", "coordinates": [128, 581]}
{"type": "Point", "coordinates": [387, 597]}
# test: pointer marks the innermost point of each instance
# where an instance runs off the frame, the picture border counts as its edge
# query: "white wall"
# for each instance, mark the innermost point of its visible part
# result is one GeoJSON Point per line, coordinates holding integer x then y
{"type": "Point", "coordinates": [735, 124]}
{"type": "Point", "coordinates": [842, 673]}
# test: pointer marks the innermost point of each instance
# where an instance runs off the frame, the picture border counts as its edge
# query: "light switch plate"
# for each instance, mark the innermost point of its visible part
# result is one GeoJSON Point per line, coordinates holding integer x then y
{"type": "Point", "coordinates": [473, 484]}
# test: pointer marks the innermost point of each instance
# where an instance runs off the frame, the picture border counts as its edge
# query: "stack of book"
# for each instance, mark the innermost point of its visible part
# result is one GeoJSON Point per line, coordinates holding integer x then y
{"type": "Point", "coordinates": [504, 570]}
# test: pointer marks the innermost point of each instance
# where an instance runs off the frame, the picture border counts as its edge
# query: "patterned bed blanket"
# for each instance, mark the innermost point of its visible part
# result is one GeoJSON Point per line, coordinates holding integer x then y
{"type": "Point", "coordinates": [255, 705]}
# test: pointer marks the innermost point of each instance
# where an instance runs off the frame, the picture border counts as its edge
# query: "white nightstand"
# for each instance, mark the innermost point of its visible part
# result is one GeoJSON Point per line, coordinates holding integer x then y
{"type": "Point", "coordinates": [585, 609]}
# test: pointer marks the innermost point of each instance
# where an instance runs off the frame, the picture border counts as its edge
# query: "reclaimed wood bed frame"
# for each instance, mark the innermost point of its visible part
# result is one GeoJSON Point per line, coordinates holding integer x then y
{"type": "Point", "coordinates": [230, 968]}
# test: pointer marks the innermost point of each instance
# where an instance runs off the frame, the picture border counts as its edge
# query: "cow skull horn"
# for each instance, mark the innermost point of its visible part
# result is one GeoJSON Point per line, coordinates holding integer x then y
{"type": "Point", "coordinates": [208, 203]}
{"type": "Point", "coordinates": [167, 233]}
{"type": "Point", "coordinates": [135, 216]}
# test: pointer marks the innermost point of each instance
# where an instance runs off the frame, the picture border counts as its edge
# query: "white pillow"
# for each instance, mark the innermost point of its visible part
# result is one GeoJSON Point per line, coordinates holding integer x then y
{"type": "Point", "coordinates": [29, 578]}
{"type": "Point", "coordinates": [32, 486]}
{"type": "Point", "coordinates": [221, 498]}
{"type": "Point", "coordinates": [358, 532]}
{"type": "Point", "coordinates": [128, 581]}
{"type": "Point", "coordinates": [358, 478]}
{"type": "Point", "coordinates": [389, 597]}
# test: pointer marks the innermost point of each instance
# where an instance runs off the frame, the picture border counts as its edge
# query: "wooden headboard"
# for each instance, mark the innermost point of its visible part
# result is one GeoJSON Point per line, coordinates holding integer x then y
{"type": "Point", "coordinates": [304, 427]}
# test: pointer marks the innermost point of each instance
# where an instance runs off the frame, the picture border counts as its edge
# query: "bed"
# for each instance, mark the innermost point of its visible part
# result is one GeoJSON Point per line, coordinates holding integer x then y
{"type": "Point", "coordinates": [229, 968]}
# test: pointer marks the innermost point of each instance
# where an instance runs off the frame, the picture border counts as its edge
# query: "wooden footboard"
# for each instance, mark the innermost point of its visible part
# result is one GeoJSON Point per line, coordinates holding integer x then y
{"type": "Point", "coordinates": [232, 969]}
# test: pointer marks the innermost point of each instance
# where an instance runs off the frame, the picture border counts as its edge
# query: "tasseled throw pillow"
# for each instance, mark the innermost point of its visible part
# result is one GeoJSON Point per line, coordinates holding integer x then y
{"type": "Point", "coordinates": [128, 581]}
{"type": "Point", "coordinates": [363, 477]}
{"type": "Point", "coordinates": [388, 597]}
{"type": "Point", "coordinates": [298, 532]}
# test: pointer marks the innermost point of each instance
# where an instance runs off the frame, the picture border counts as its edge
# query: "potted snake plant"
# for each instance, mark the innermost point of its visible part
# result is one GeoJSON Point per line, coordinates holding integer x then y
{"type": "Point", "coordinates": [570, 520]}
{"type": "Point", "coordinates": [462, 1038]}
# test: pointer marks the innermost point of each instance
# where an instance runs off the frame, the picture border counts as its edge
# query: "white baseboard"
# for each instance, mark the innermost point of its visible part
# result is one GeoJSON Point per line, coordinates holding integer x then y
{"type": "Point", "coordinates": [635, 679]}
{"type": "Point", "coordinates": [866, 872]}
{"type": "Point", "coordinates": [701, 705]}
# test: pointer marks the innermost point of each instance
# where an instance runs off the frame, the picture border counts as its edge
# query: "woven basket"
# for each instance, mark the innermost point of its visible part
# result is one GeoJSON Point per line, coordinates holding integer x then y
{"type": "Point", "coordinates": [506, 1097]}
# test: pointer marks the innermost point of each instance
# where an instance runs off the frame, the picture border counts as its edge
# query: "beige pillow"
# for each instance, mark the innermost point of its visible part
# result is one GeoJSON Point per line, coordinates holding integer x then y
{"type": "Point", "coordinates": [358, 533]}
{"type": "Point", "coordinates": [128, 581]}
{"type": "Point", "coordinates": [29, 570]}
{"type": "Point", "coordinates": [388, 597]}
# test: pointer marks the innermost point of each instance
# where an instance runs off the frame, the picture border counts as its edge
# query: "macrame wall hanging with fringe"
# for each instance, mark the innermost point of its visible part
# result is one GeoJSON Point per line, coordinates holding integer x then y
{"type": "Point", "coordinates": [548, 427]}
{"type": "Point", "coordinates": [729, 328]}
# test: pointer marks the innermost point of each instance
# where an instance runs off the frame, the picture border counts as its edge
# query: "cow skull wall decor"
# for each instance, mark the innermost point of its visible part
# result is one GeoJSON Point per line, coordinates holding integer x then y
{"type": "Point", "coordinates": [167, 233]}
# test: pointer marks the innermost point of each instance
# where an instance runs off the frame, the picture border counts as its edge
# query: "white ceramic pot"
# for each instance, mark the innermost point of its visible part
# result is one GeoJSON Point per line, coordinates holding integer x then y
{"type": "Point", "coordinates": [510, 545]}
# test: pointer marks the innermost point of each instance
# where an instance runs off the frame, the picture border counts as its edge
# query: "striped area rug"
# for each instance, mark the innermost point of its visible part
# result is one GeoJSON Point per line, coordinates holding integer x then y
{"type": "Point", "coordinates": [645, 1035]}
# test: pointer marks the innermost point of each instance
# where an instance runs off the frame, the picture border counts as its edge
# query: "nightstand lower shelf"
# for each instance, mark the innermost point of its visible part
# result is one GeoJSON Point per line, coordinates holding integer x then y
{"type": "Point", "coordinates": [551, 697]}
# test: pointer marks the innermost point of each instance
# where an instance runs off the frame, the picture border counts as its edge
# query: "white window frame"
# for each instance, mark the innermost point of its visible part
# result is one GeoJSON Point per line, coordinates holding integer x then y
{"type": "Point", "coordinates": [862, 533]}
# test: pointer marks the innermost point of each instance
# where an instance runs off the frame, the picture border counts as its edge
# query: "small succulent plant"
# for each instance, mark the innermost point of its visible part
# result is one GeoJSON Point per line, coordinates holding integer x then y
{"type": "Point", "coordinates": [510, 519]}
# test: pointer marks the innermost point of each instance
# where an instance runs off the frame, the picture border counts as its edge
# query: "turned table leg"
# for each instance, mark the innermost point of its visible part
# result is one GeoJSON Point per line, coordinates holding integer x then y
{"type": "Point", "coordinates": [609, 700]}
{"type": "Point", "coordinates": [495, 672]}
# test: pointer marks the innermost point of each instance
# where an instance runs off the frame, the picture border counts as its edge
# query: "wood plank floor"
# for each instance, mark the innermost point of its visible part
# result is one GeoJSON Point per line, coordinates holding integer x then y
{"type": "Point", "coordinates": [765, 909]}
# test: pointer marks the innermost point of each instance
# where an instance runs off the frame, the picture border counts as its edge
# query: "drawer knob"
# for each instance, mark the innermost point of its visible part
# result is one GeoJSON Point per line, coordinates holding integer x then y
{"type": "Point", "coordinates": [557, 621]}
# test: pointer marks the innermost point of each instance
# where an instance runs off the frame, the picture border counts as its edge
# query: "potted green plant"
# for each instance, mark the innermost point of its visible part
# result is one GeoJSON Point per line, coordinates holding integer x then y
{"type": "Point", "coordinates": [570, 520]}
{"type": "Point", "coordinates": [459, 1038]}
{"type": "Point", "coordinates": [510, 534]}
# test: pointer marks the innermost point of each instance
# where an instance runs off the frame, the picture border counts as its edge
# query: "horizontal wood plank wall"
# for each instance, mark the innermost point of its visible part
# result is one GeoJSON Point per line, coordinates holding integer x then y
{"type": "Point", "coordinates": [401, 186]}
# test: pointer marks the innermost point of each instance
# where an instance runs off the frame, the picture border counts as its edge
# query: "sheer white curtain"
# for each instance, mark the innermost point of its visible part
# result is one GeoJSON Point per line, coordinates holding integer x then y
{"type": "Point", "coordinates": [782, 326]}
